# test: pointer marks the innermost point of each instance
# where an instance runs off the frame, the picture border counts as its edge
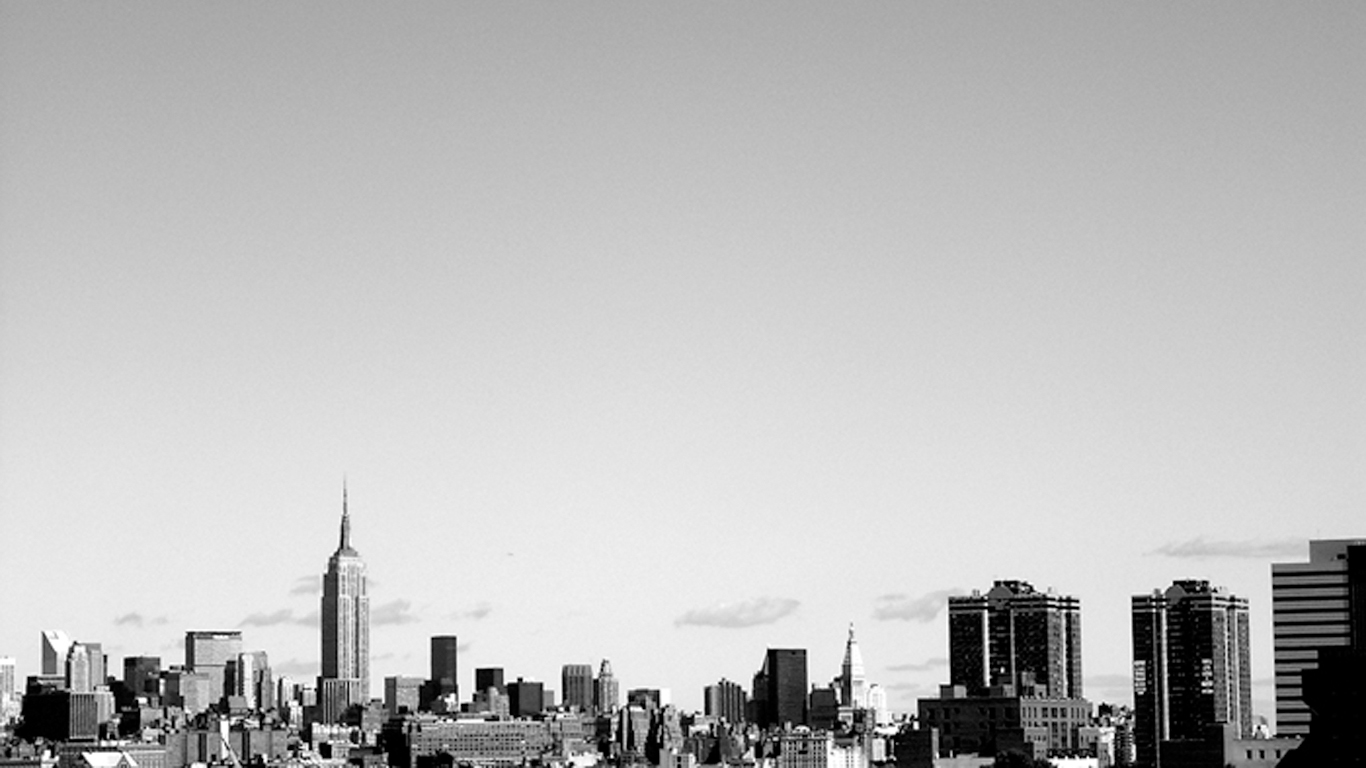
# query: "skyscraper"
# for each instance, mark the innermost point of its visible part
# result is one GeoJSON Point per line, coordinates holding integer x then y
{"type": "Point", "coordinates": [606, 694]}
{"type": "Point", "coordinates": [9, 689]}
{"type": "Point", "coordinates": [56, 644]}
{"type": "Point", "coordinates": [852, 682]}
{"type": "Point", "coordinates": [1015, 635]}
{"type": "Point", "coordinates": [725, 700]}
{"type": "Point", "coordinates": [1192, 665]}
{"type": "Point", "coordinates": [576, 681]}
{"type": "Point", "coordinates": [209, 653]}
{"type": "Point", "coordinates": [445, 659]}
{"type": "Point", "coordinates": [345, 678]}
{"type": "Point", "coordinates": [780, 688]}
{"type": "Point", "coordinates": [1315, 606]}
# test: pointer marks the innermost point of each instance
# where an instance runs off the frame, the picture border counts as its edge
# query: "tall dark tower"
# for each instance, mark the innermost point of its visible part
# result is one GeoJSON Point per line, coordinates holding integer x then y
{"type": "Point", "coordinates": [1192, 665]}
{"type": "Point", "coordinates": [445, 669]}
{"type": "Point", "coordinates": [782, 700]}
{"type": "Point", "coordinates": [345, 676]}
{"type": "Point", "coordinates": [1015, 635]}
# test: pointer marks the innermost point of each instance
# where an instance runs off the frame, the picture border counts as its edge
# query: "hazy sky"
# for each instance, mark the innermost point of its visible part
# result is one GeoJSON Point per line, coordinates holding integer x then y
{"type": "Point", "coordinates": [666, 333]}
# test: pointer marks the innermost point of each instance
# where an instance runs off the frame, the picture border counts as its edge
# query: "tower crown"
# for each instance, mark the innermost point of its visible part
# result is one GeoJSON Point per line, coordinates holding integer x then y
{"type": "Point", "coordinates": [344, 545]}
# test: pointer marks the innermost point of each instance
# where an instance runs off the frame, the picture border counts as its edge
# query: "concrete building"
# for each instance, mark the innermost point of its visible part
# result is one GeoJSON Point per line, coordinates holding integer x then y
{"type": "Point", "coordinates": [576, 681]}
{"type": "Point", "coordinates": [209, 652]}
{"type": "Point", "coordinates": [402, 694]}
{"type": "Point", "coordinates": [1315, 606]}
{"type": "Point", "coordinates": [1003, 720]}
{"type": "Point", "coordinates": [1013, 631]}
{"type": "Point", "coordinates": [191, 691]}
{"type": "Point", "coordinates": [345, 678]}
{"type": "Point", "coordinates": [1192, 666]}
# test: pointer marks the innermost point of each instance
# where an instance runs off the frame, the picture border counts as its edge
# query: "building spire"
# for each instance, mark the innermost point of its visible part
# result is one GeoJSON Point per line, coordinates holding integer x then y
{"type": "Point", "coordinates": [345, 521]}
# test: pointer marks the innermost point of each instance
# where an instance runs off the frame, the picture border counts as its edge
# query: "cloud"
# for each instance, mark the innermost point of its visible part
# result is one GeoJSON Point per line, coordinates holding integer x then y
{"type": "Point", "coordinates": [135, 619]}
{"type": "Point", "coordinates": [934, 662]}
{"type": "Point", "coordinates": [749, 613]}
{"type": "Point", "coordinates": [305, 585]}
{"type": "Point", "coordinates": [902, 607]}
{"type": "Point", "coordinates": [394, 612]}
{"type": "Point", "coordinates": [282, 616]}
{"type": "Point", "coordinates": [480, 611]}
{"type": "Point", "coordinates": [295, 667]}
{"type": "Point", "coordinates": [1200, 548]}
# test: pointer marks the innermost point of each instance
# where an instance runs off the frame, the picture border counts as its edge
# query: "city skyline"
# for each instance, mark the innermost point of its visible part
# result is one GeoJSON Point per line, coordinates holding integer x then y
{"type": "Point", "coordinates": [745, 323]}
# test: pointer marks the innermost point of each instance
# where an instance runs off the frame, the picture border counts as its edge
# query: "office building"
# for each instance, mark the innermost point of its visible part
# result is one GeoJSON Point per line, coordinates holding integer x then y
{"type": "Point", "coordinates": [253, 682]}
{"type": "Point", "coordinates": [853, 684]}
{"type": "Point", "coordinates": [1316, 607]}
{"type": "Point", "coordinates": [85, 667]}
{"type": "Point", "coordinates": [576, 680]}
{"type": "Point", "coordinates": [445, 679]}
{"type": "Point", "coordinates": [780, 688]}
{"type": "Point", "coordinates": [191, 691]}
{"type": "Point", "coordinates": [141, 675]}
{"type": "Point", "coordinates": [489, 677]}
{"type": "Point", "coordinates": [726, 701]}
{"type": "Point", "coordinates": [345, 678]}
{"type": "Point", "coordinates": [209, 652]}
{"type": "Point", "coordinates": [1015, 635]}
{"type": "Point", "coordinates": [55, 646]}
{"type": "Point", "coordinates": [525, 698]}
{"type": "Point", "coordinates": [606, 693]}
{"type": "Point", "coordinates": [402, 694]}
{"type": "Point", "coordinates": [9, 689]}
{"type": "Point", "coordinates": [1192, 666]}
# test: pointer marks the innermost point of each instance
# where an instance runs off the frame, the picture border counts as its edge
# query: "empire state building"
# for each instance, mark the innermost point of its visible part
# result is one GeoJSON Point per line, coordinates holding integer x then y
{"type": "Point", "coordinates": [345, 676]}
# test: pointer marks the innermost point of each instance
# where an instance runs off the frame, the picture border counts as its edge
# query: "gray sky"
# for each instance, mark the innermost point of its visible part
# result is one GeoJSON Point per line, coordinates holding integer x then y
{"type": "Point", "coordinates": [613, 313]}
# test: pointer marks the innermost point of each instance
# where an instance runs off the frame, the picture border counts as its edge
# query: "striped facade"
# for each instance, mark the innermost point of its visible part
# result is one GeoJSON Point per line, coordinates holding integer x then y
{"type": "Point", "coordinates": [1311, 606]}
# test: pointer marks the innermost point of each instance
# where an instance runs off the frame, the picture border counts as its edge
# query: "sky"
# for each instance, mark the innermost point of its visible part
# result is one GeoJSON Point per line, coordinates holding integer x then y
{"type": "Point", "coordinates": [668, 333]}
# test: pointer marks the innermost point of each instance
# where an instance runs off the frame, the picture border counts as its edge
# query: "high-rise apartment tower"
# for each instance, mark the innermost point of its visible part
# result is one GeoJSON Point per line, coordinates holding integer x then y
{"type": "Point", "coordinates": [1192, 666]}
{"type": "Point", "coordinates": [1015, 635]}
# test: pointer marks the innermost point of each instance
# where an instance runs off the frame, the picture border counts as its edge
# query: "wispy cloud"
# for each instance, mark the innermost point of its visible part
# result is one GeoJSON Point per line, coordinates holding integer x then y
{"type": "Point", "coordinates": [903, 607]}
{"type": "Point", "coordinates": [748, 613]}
{"type": "Point", "coordinates": [480, 611]}
{"type": "Point", "coordinates": [305, 585]}
{"type": "Point", "coordinates": [934, 662]}
{"type": "Point", "coordinates": [135, 619]}
{"type": "Point", "coordinates": [393, 612]}
{"type": "Point", "coordinates": [295, 667]}
{"type": "Point", "coordinates": [1200, 548]}
{"type": "Point", "coordinates": [282, 616]}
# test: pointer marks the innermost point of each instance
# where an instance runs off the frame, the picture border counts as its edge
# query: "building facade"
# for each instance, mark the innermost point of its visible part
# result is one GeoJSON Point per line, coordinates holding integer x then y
{"type": "Point", "coordinates": [726, 700]}
{"type": "Point", "coordinates": [1016, 635]}
{"type": "Point", "coordinates": [209, 653]}
{"type": "Point", "coordinates": [606, 693]}
{"type": "Point", "coordinates": [853, 684]}
{"type": "Point", "coordinates": [576, 682]}
{"type": "Point", "coordinates": [345, 678]}
{"type": "Point", "coordinates": [1192, 666]}
{"type": "Point", "coordinates": [780, 688]}
{"type": "Point", "coordinates": [1315, 606]}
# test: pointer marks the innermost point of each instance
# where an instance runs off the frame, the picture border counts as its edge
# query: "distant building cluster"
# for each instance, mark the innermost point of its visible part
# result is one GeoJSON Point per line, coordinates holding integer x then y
{"type": "Point", "coordinates": [1014, 695]}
